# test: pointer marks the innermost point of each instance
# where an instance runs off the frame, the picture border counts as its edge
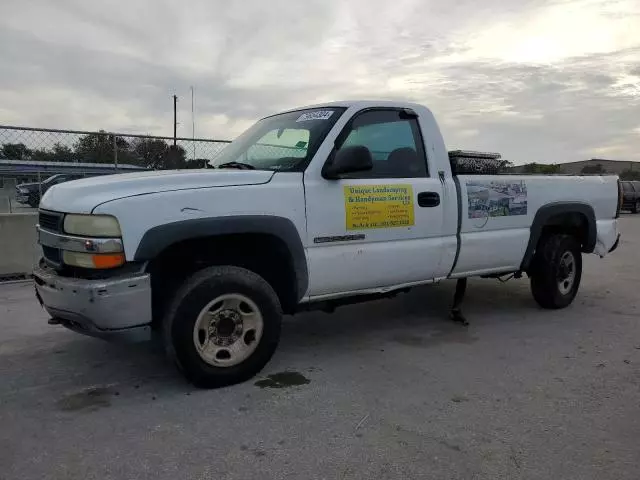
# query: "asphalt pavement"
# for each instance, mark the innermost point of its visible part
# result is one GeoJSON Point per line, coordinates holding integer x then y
{"type": "Point", "coordinates": [389, 389]}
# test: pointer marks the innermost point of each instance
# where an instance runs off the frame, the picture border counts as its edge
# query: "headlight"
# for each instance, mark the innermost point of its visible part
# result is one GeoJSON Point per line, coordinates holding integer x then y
{"type": "Point", "coordinates": [92, 225]}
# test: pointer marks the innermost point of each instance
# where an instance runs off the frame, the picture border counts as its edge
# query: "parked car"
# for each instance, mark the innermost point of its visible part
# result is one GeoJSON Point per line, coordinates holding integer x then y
{"type": "Point", "coordinates": [631, 196]}
{"type": "Point", "coordinates": [300, 214]}
{"type": "Point", "coordinates": [29, 193]}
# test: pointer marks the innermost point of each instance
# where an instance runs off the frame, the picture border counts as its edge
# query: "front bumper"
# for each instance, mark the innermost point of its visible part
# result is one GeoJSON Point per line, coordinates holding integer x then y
{"type": "Point", "coordinates": [117, 308]}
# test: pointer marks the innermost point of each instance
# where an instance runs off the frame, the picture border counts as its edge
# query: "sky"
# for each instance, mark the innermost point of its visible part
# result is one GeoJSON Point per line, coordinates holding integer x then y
{"type": "Point", "coordinates": [543, 81]}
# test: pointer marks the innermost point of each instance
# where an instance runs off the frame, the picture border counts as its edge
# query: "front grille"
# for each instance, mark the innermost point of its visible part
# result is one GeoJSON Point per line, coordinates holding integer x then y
{"type": "Point", "coordinates": [52, 255]}
{"type": "Point", "coordinates": [51, 221]}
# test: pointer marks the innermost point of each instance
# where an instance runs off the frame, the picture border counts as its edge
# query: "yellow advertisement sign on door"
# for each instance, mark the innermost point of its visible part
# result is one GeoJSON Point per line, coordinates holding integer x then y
{"type": "Point", "coordinates": [378, 206]}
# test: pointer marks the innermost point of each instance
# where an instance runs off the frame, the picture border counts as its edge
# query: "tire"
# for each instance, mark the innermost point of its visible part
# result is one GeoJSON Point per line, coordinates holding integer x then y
{"type": "Point", "coordinates": [203, 321]}
{"type": "Point", "coordinates": [33, 201]}
{"type": "Point", "coordinates": [636, 207]}
{"type": "Point", "coordinates": [552, 286]}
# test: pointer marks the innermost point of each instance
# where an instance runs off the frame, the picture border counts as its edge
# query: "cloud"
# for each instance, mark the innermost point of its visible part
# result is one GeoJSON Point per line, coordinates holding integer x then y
{"type": "Point", "coordinates": [537, 80]}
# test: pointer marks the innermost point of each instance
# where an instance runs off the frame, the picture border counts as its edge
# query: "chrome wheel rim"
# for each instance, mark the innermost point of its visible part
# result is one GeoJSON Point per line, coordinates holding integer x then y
{"type": "Point", "coordinates": [228, 330]}
{"type": "Point", "coordinates": [566, 272]}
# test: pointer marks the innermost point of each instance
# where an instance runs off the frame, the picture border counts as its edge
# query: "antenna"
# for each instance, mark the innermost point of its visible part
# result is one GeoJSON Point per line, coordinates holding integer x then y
{"type": "Point", "coordinates": [193, 124]}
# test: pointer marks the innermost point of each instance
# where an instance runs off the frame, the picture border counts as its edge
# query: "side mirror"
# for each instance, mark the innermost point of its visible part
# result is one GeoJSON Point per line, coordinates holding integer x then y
{"type": "Point", "coordinates": [348, 160]}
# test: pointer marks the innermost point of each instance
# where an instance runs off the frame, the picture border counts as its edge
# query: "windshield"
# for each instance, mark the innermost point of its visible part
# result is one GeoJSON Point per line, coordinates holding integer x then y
{"type": "Point", "coordinates": [283, 142]}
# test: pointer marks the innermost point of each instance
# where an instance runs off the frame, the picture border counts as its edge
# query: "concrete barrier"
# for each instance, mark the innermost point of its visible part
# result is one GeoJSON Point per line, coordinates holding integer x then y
{"type": "Point", "coordinates": [19, 251]}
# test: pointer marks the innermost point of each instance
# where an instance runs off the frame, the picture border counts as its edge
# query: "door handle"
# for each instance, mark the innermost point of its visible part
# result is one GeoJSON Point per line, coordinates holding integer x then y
{"type": "Point", "coordinates": [428, 199]}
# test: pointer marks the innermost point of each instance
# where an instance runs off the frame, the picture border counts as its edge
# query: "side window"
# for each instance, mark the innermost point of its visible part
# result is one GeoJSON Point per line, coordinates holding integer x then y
{"type": "Point", "coordinates": [626, 187]}
{"type": "Point", "coordinates": [394, 141]}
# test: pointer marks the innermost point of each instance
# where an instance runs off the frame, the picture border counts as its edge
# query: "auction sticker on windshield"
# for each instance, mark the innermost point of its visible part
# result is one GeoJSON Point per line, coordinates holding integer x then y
{"type": "Point", "coordinates": [378, 206]}
{"type": "Point", "coordinates": [317, 115]}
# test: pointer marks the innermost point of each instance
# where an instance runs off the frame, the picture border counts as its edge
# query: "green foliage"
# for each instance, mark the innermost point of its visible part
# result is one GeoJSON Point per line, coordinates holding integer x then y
{"type": "Point", "coordinates": [150, 152]}
{"type": "Point", "coordinates": [153, 153]}
{"type": "Point", "coordinates": [59, 153]}
{"type": "Point", "coordinates": [175, 158]}
{"type": "Point", "coordinates": [15, 151]}
{"type": "Point", "coordinates": [157, 154]}
{"type": "Point", "coordinates": [505, 166]}
{"type": "Point", "coordinates": [99, 148]}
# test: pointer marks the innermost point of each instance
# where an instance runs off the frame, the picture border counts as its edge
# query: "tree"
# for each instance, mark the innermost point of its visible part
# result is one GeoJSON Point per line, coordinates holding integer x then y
{"type": "Point", "coordinates": [541, 168]}
{"type": "Point", "coordinates": [593, 169]}
{"type": "Point", "coordinates": [98, 148]}
{"type": "Point", "coordinates": [176, 158]}
{"type": "Point", "coordinates": [158, 155]}
{"type": "Point", "coordinates": [15, 151]}
{"type": "Point", "coordinates": [59, 153]}
{"type": "Point", "coordinates": [150, 152]}
{"type": "Point", "coordinates": [505, 166]}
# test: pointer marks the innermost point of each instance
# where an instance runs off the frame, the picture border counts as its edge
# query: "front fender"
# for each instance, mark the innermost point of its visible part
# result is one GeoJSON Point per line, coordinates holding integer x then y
{"type": "Point", "coordinates": [158, 238]}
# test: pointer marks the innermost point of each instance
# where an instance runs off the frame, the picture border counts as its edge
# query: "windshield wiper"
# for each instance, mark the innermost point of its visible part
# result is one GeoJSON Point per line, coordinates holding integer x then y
{"type": "Point", "coordinates": [238, 165]}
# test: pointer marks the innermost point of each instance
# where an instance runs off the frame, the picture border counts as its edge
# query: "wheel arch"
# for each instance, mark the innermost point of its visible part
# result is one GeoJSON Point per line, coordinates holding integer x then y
{"type": "Point", "coordinates": [575, 218]}
{"type": "Point", "coordinates": [278, 231]}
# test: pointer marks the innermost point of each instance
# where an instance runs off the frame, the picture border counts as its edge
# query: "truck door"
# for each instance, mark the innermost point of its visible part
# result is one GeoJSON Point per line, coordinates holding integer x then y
{"type": "Point", "coordinates": [377, 228]}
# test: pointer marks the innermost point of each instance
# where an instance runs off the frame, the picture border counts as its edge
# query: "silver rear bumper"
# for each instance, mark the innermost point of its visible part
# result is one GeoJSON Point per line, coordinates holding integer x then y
{"type": "Point", "coordinates": [115, 308]}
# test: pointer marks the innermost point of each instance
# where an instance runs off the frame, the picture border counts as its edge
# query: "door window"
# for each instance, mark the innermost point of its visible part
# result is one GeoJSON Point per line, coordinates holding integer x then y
{"type": "Point", "coordinates": [394, 141]}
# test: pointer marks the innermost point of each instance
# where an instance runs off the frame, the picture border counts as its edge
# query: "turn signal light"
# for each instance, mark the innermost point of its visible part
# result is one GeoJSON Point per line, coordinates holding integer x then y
{"type": "Point", "coordinates": [89, 260]}
{"type": "Point", "coordinates": [108, 261]}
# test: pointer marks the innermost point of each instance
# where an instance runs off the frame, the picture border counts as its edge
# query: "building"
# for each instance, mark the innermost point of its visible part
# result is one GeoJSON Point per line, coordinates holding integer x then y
{"type": "Point", "coordinates": [609, 166]}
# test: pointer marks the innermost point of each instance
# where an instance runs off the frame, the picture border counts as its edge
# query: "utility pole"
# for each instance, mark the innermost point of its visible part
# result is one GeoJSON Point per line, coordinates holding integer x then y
{"type": "Point", "coordinates": [175, 120]}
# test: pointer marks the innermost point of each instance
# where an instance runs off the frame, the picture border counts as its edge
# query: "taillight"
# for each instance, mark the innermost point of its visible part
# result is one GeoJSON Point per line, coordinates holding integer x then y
{"type": "Point", "coordinates": [620, 198]}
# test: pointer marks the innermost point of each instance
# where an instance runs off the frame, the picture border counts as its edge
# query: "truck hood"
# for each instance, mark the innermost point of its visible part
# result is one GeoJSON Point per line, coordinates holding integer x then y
{"type": "Point", "coordinates": [82, 196]}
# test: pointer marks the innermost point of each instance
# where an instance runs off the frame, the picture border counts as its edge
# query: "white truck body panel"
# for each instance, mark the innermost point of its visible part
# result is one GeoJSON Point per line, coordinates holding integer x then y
{"type": "Point", "coordinates": [82, 196]}
{"type": "Point", "coordinates": [282, 196]}
{"type": "Point", "coordinates": [490, 244]}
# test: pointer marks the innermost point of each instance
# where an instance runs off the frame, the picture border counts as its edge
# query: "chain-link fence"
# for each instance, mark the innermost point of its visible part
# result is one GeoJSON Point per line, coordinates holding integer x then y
{"type": "Point", "coordinates": [33, 159]}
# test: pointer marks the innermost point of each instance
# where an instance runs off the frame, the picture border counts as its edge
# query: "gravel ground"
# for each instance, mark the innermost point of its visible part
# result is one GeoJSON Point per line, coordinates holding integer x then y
{"type": "Point", "coordinates": [388, 389]}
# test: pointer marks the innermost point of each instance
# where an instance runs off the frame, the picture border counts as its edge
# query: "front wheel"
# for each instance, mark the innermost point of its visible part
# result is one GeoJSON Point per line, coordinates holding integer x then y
{"type": "Point", "coordinates": [223, 326]}
{"type": "Point", "coordinates": [556, 272]}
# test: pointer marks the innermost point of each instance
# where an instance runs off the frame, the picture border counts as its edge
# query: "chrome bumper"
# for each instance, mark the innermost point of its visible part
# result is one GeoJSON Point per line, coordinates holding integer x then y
{"type": "Point", "coordinates": [115, 308]}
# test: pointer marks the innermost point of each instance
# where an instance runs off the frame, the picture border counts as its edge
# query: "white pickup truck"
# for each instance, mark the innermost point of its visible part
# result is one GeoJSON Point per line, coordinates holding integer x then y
{"type": "Point", "coordinates": [311, 208]}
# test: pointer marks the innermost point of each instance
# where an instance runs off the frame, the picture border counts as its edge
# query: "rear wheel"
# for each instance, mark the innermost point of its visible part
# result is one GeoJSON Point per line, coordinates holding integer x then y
{"type": "Point", "coordinates": [556, 272]}
{"type": "Point", "coordinates": [223, 326]}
